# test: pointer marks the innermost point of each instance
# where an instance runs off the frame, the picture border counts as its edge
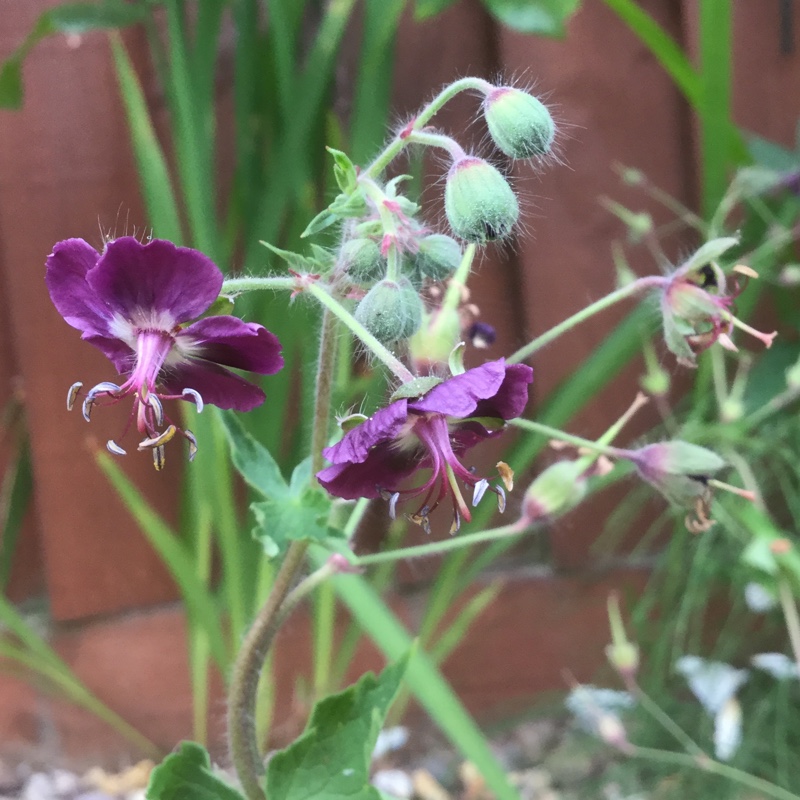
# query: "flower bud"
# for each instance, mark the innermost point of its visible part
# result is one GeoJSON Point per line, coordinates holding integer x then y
{"type": "Point", "coordinates": [478, 201]}
{"type": "Point", "coordinates": [519, 124]}
{"type": "Point", "coordinates": [438, 256]}
{"type": "Point", "coordinates": [362, 260]}
{"type": "Point", "coordinates": [679, 470]}
{"type": "Point", "coordinates": [555, 491]}
{"type": "Point", "coordinates": [432, 344]}
{"type": "Point", "coordinates": [390, 311]}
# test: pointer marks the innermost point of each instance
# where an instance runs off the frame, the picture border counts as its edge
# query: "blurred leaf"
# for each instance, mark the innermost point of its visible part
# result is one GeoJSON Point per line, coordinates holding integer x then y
{"type": "Point", "coordinates": [70, 18]}
{"type": "Point", "coordinates": [768, 375]}
{"type": "Point", "coordinates": [541, 17]}
{"type": "Point", "coordinates": [769, 154]}
{"type": "Point", "coordinates": [423, 9]}
{"type": "Point", "coordinates": [15, 496]}
{"type": "Point", "coordinates": [187, 774]}
{"type": "Point", "coordinates": [331, 759]}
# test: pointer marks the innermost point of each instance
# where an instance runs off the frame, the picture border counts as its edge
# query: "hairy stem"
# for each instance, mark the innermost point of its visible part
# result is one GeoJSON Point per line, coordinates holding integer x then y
{"type": "Point", "coordinates": [324, 390]}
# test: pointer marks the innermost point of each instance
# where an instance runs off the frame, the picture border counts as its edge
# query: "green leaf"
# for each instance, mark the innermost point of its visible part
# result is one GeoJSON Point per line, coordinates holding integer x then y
{"type": "Point", "coordinates": [295, 261]}
{"type": "Point", "coordinates": [423, 9]}
{"type": "Point", "coordinates": [187, 774]}
{"type": "Point", "coordinates": [299, 516]}
{"type": "Point", "coordinates": [331, 758]}
{"type": "Point", "coordinates": [344, 170]}
{"type": "Point", "coordinates": [71, 18]}
{"type": "Point", "coordinates": [769, 154]}
{"type": "Point", "coordinates": [252, 460]}
{"type": "Point", "coordinates": [541, 17]}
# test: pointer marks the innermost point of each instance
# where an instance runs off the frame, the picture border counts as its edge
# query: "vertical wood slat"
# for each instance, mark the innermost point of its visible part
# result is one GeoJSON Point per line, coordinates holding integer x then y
{"type": "Point", "coordinates": [615, 105]}
{"type": "Point", "coordinates": [66, 170]}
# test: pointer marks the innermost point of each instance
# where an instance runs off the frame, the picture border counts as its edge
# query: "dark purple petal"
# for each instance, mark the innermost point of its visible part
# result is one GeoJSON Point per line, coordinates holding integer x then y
{"type": "Point", "coordinates": [72, 296]}
{"type": "Point", "coordinates": [385, 467]}
{"type": "Point", "coordinates": [135, 279]}
{"type": "Point", "coordinates": [120, 355]}
{"type": "Point", "coordinates": [382, 426]}
{"type": "Point", "coordinates": [234, 343]}
{"type": "Point", "coordinates": [468, 434]}
{"type": "Point", "coordinates": [459, 396]}
{"type": "Point", "coordinates": [512, 396]}
{"type": "Point", "coordinates": [215, 384]}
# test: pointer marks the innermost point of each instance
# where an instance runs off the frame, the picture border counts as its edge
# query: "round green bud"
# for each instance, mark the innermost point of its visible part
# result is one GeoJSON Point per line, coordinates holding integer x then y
{"type": "Point", "coordinates": [438, 256]}
{"type": "Point", "coordinates": [391, 311]}
{"type": "Point", "coordinates": [363, 261]}
{"type": "Point", "coordinates": [554, 492]}
{"type": "Point", "coordinates": [519, 124]}
{"type": "Point", "coordinates": [478, 201]}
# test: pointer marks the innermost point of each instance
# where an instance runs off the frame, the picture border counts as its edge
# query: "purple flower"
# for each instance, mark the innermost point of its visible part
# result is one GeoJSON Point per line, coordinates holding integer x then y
{"type": "Point", "coordinates": [429, 432]}
{"type": "Point", "coordinates": [133, 302]}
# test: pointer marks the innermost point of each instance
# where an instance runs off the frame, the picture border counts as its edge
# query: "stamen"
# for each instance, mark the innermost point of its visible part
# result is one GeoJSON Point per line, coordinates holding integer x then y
{"type": "Point", "coordinates": [726, 342]}
{"type": "Point", "coordinates": [501, 498]}
{"type": "Point", "coordinates": [421, 520]}
{"type": "Point", "coordinates": [393, 505]}
{"type": "Point", "coordinates": [455, 526]}
{"type": "Point", "coordinates": [506, 475]}
{"type": "Point", "coordinates": [195, 396]}
{"type": "Point", "coordinates": [114, 448]}
{"type": "Point", "coordinates": [158, 458]}
{"type": "Point", "coordinates": [72, 394]}
{"type": "Point", "coordinates": [479, 491]}
{"type": "Point", "coordinates": [158, 409]}
{"type": "Point", "coordinates": [766, 338]}
{"type": "Point", "coordinates": [106, 387]}
{"type": "Point", "coordinates": [86, 408]}
{"type": "Point", "coordinates": [160, 440]}
{"type": "Point", "coordinates": [192, 444]}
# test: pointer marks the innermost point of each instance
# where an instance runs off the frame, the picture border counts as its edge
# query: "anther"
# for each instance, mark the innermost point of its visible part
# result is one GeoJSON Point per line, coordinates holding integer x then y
{"type": "Point", "coordinates": [455, 526]}
{"type": "Point", "coordinates": [195, 396]}
{"type": "Point", "coordinates": [114, 448]}
{"type": "Point", "coordinates": [393, 505]}
{"type": "Point", "coordinates": [479, 491]}
{"type": "Point", "coordinates": [158, 457]}
{"type": "Point", "coordinates": [506, 475]}
{"type": "Point", "coordinates": [86, 408]}
{"type": "Point", "coordinates": [72, 394]}
{"type": "Point", "coordinates": [501, 498]}
{"type": "Point", "coordinates": [158, 409]}
{"type": "Point", "coordinates": [192, 444]}
{"type": "Point", "coordinates": [160, 440]}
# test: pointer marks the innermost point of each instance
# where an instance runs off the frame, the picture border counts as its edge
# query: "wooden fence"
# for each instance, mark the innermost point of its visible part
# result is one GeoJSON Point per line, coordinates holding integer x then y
{"type": "Point", "coordinates": [66, 170]}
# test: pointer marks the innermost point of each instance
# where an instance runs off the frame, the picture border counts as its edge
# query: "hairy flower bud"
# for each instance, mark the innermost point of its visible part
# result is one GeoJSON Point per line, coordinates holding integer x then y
{"type": "Point", "coordinates": [519, 124]}
{"type": "Point", "coordinates": [478, 201]}
{"type": "Point", "coordinates": [438, 257]}
{"type": "Point", "coordinates": [391, 311]}
{"type": "Point", "coordinates": [555, 491]}
{"type": "Point", "coordinates": [363, 260]}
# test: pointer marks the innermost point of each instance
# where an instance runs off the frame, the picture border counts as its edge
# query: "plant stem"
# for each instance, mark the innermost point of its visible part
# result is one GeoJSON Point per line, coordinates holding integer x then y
{"type": "Point", "coordinates": [388, 358]}
{"type": "Point", "coordinates": [707, 764]}
{"type": "Point", "coordinates": [436, 548]}
{"type": "Point", "coordinates": [234, 286]}
{"type": "Point", "coordinates": [666, 722]}
{"type": "Point", "coordinates": [791, 617]}
{"type": "Point", "coordinates": [578, 441]}
{"type": "Point", "coordinates": [396, 146]}
{"type": "Point", "coordinates": [639, 285]}
{"type": "Point", "coordinates": [324, 391]}
{"type": "Point", "coordinates": [242, 738]}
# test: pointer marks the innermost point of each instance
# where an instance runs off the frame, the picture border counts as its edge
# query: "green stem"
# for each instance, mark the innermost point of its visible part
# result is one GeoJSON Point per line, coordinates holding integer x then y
{"type": "Point", "coordinates": [639, 285]}
{"type": "Point", "coordinates": [791, 617]}
{"type": "Point", "coordinates": [436, 548]}
{"type": "Point", "coordinates": [706, 764]}
{"type": "Point", "coordinates": [388, 358]}
{"type": "Point", "coordinates": [324, 391]}
{"type": "Point", "coordinates": [396, 146]}
{"type": "Point", "coordinates": [234, 286]}
{"type": "Point", "coordinates": [666, 722]}
{"type": "Point", "coordinates": [437, 140]}
{"type": "Point", "coordinates": [242, 736]}
{"type": "Point", "coordinates": [578, 441]}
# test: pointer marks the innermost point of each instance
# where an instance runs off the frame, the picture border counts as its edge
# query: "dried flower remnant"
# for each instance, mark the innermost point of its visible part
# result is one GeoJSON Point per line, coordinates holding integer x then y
{"type": "Point", "coordinates": [135, 302]}
{"type": "Point", "coordinates": [697, 303]}
{"type": "Point", "coordinates": [430, 432]}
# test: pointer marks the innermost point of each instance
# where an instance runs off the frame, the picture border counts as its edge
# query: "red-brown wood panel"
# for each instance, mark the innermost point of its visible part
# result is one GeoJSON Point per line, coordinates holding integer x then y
{"type": "Point", "coordinates": [65, 170]}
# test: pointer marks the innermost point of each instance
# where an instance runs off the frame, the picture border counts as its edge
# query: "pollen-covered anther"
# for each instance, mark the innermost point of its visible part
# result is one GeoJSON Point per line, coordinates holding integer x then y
{"type": "Point", "coordinates": [421, 518]}
{"type": "Point", "coordinates": [455, 525]}
{"type": "Point", "coordinates": [114, 448]}
{"type": "Point", "coordinates": [159, 441]}
{"type": "Point", "coordinates": [192, 439]}
{"type": "Point", "coordinates": [506, 475]}
{"type": "Point", "coordinates": [195, 397]}
{"type": "Point", "coordinates": [72, 394]}
{"type": "Point", "coordinates": [159, 457]}
{"type": "Point", "coordinates": [743, 269]}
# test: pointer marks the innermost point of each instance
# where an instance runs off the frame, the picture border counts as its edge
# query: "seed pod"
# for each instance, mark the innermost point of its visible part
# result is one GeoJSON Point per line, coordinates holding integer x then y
{"type": "Point", "coordinates": [363, 261]}
{"type": "Point", "coordinates": [438, 256]}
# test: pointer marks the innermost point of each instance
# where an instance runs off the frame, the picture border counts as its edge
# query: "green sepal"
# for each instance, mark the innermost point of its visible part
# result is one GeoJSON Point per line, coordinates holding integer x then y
{"type": "Point", "coordinates": [221, 307]}
{"type": "Point", "coordinates": [295, 261]}
{"type": "Point", "coordinates": [331, 758]}
{"type": "Point", "coordinates": [322, 221]}
{"type": "Point", "coordinates": [344, 171]}
{"type": "Point", "coordinates": [187, 774]}
{"type": "Point", "coordinates": [70, 18]}
{"type": "Point", "coordinates": [415, 388]}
